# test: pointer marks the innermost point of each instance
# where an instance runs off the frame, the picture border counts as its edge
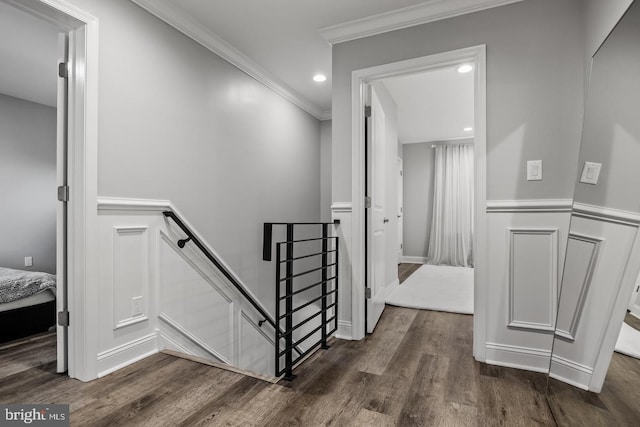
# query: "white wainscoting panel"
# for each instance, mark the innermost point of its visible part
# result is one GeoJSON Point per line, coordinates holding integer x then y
{"type": "Point", "coordinates": [581, 259]}
{"type": "Point", "coordinates": [526, 242]}
{"type": "Point", "coordinates": [533, 278]}
{"type": "Point", "coordinates": [130, 274]}
{"type": "Point", "coordinates": [192, 304]}
{"type": "Point", "coordinates": [256, 349]}
{"type": "Point", "coordinates": [188, 305]}
{"type": "Point", "coordinates": [603, 263]}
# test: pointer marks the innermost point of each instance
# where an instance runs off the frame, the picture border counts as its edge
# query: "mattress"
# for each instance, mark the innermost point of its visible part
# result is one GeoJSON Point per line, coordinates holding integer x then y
{"type": "Point", "coordinates": [39, 298]}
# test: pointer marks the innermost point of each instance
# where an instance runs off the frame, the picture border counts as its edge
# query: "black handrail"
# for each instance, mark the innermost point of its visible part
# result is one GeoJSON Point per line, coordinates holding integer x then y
{"type": "Point", "coordinates": [192, 237]}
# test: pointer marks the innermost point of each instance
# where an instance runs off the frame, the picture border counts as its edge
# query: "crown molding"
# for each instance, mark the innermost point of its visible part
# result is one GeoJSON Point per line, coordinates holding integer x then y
{"type": "Point", "coordinates": [429, 11]}
{"type": "Point", "coordinates": [175, 16]}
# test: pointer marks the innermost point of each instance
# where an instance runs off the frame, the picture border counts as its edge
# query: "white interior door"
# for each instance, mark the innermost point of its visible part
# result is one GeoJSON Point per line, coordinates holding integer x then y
{"type": "Point", "coordinates": [376, 221]}
{"type": "Point", "coordinates": [61, 214]}
{"type": "Point", "coordinates": [400, 210]}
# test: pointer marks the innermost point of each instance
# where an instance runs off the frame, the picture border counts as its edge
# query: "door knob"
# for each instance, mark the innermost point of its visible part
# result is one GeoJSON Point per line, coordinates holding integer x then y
{"type": "Point", "coordinates": [386, 220]}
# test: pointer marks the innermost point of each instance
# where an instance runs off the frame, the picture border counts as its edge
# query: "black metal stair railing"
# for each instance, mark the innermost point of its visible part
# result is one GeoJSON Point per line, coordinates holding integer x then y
{"type": "Point", "coordinates": [327, 286]}
{"type": "Point", "coordinates": [232, 279]}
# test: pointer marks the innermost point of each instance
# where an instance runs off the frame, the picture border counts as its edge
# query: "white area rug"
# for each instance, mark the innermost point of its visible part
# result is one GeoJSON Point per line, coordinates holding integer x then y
{"type": "Point", "coordinates": [628, 341]}
{"type": "Point", "coordinates": [436, 287]}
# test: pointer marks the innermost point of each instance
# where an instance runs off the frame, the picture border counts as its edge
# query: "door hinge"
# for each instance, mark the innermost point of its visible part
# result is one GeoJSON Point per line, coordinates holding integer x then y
{"type": "Point", "coordinates": [367, 293]}
{"type": "Point", "coordinates": [63, 193]}
{"type": "Point", "coordinates": [63, 318]}
{"type": "Point", "coordinates": [367, 111]}
{"type": "Point", "coordinates": [63, 70]}
{"type": "Point", "coordinates": [367, 202]}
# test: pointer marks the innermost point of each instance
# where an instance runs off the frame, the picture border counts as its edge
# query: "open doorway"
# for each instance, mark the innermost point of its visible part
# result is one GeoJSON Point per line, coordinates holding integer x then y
{"type": "Point", "coordinates": [435, 111]}
{"type": "Point", "coordinates": [31, 168]}
{"type": "Point", "coordinates": [364, 299]}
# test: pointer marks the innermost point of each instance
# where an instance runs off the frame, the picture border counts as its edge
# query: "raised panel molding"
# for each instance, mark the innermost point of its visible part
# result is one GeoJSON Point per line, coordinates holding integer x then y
{"type": "Point", "coordinates": [130, 271]}
{"type": "Point", "coordinates": [568, 331]}
{"type": "Point", "coordinates": [534, 288]}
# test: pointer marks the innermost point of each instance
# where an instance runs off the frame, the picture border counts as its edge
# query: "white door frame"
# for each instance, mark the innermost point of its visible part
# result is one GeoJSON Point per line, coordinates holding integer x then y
{"type": "Point", "coordinates": [82, 142]}
{"type": "Point", "coordinates": [359, 78]}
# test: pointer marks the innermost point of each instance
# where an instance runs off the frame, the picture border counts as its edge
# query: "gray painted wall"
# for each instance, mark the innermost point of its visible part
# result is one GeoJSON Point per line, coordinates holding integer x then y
{"type": "Point", "coordinates": [611, 134]}
{"type": "Point", "coordinates": [178, 122]}
{"type": "Point", "coordinates": [325, 170]}
{"type": "Point", "coordinates": [534, 90]}
{"type": "Point", "coordinates": [27, 184]}
{"type": "Point", "coordinates": [417, 198]}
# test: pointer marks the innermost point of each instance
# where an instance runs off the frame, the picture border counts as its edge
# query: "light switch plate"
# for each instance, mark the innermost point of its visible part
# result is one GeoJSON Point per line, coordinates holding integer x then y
{"type": "Point", "coordinates": [534, 170]}
{"type": "Point", "coordinates": [28, 261]}
{"type": "Point", "coordinates": [590, 173]}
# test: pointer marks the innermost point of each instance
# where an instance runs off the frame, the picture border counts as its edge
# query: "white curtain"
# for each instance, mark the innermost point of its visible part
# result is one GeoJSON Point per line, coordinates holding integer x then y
{"type": "Point", "coordinates": [451, 239]}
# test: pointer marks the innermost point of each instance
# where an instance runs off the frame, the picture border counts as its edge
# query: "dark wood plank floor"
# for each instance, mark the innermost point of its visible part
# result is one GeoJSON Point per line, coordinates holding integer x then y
{"type": "Point", "coordinates": [417, 369]}
{"type": "Point", "coordinates": [405, 270]}
{"type": "Point", "coordinates": [618, 404]}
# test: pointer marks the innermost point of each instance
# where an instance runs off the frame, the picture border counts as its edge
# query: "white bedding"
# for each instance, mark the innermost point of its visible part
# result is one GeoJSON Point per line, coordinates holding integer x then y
{"type": "Point", "coordinates": [39, 298]}
{"type": "Point", "coordinates": [16, 285]}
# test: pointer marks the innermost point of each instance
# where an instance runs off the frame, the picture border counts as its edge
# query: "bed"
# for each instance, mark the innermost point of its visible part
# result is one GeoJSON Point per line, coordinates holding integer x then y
{"type": "Point", "coordinates": [27, 303]}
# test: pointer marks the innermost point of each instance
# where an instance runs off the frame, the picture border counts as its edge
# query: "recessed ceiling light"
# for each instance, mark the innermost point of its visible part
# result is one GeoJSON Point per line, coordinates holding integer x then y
{"type": "Point", "coordinates": [465, 68]}
{"type": "Point", "coordinates": [468, 129]}
{"type": "Point", "coordinates": [319, 78]}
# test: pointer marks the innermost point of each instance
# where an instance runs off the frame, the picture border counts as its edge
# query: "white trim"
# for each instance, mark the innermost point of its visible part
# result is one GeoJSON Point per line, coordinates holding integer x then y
{"type": "Point", "coordinates": [601, 213]}
{"type": "Point", "coordinates": [597, 243]}
{"type": "Point", "coordinates": [182, 21]}
{"type": "Point", "coordinates": [344, 331]}
{"type": "Point", "coordinates": [82, 141]}
{"type": "Point", "coordinates": [195, 340]}
{"type": "Point", "coordinates": [359, 78]}
{"type": "Point", "coordinates": [126, 354]}
{"type": "Point", "coordinates": [570, 372]}
{"type": "Point", "coordinates": [512, 356]}
{"type": "Point", "coordinates": [429, 11]}
{"type": "Point", "coordinates": [537, 205]}
{"type": "Point", "coordinates": [342, 207]}
{"type": "Point", "coordinates": [415, 259]}
{"type": "Point", "coordinates": [135, 205]}
{"type": "Point", "coordinates": [553, 278]}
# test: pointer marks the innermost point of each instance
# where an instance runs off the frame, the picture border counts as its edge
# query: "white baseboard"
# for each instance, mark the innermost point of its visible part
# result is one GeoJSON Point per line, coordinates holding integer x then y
{"type": "Point", "coordinates": [510, 356]}
{"type": "Point", "coordinates": [415, 259]}
{"type": "Point", "coordinates": [123, 355]}
{"type": "Point", "coordinates": [344, 331]}
{"type": "Point", "coordinates": [573, 373]}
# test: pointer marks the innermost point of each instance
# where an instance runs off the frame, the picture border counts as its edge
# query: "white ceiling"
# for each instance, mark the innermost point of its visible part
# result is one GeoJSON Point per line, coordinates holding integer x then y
{"type": "Point", "coordinates": [28, 50]}
{"type": "Point", "coordinates": [433, 106]}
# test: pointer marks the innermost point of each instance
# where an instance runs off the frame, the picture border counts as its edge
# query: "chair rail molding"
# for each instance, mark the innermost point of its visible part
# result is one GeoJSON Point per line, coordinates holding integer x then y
{"type": "Point", "coordinates": [529, 205]}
